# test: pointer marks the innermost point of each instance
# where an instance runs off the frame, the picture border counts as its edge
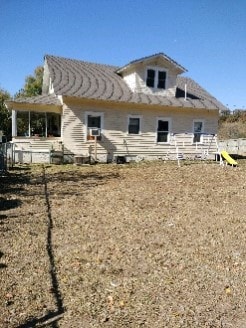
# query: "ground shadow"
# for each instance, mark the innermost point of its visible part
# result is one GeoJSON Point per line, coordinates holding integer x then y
{"type": "Point", "coordinates": [2, 218]}
{"type": "Point", "coordinates": [85, 181]}
{"type": "Point", "coordinates": [51, 319]}
{"type": "Point", "coordinates": [2, 265]}
{"type": "Point", "coordinates": [7, 204]}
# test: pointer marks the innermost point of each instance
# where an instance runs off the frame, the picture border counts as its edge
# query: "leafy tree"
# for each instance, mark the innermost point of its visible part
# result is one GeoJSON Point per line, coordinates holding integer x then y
{"type": "Point", "coordinates": [33, 84]}
{"type": "Point", "coordinates": [5, 116]}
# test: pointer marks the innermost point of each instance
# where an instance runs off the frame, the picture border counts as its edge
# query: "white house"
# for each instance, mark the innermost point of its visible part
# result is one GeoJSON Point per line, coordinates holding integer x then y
{"type": "Point", "coordinates": [144, 109]}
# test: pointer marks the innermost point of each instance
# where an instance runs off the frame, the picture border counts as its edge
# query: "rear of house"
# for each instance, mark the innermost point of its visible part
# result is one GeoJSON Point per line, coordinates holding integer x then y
{"type": "Point", "coordinates": [144, 110]}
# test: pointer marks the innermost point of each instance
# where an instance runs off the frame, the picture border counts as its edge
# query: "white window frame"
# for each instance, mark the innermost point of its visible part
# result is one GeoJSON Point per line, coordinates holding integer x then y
{"type": "Point", "coordinates": [96, 114]}
{"type": "Point", "coordinates": [169, 120]}
{"type": "Point", "coordinates": [157, 70]}
{"type": "Point", "coordinates": [202, 131]}
{"type": "Point", "coordinates": [140, 125]}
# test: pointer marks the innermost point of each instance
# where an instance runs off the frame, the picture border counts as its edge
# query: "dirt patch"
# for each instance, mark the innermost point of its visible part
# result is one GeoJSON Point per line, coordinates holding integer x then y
{"type": "Point", "coordinates": [144, 245]}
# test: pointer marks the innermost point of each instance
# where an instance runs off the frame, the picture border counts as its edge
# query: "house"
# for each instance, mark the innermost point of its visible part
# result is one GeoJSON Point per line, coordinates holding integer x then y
{"type": "Point", "coordinates": [143, 110]}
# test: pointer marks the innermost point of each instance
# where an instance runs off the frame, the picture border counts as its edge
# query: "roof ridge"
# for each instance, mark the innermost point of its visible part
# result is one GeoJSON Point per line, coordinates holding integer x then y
{"type": "Point", "coordinates": [155, 55]}
{"type": "Point", "coordinates": [80, 61]}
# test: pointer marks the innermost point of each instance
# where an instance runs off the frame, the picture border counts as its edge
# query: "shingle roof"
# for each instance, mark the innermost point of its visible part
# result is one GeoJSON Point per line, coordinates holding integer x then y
{"type": "Point", "coordinates": [77, 78]}
{"type": "Point", "coordinates": [43, 99]}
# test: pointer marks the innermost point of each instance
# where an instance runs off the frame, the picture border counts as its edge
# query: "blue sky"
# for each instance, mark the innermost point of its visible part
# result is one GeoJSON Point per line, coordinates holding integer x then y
{"type": "Point", "coordinates": [207, 37]}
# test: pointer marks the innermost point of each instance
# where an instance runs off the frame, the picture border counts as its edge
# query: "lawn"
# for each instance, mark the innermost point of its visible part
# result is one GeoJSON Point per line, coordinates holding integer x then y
{"type": "Point", "coordinates": [134, 245]}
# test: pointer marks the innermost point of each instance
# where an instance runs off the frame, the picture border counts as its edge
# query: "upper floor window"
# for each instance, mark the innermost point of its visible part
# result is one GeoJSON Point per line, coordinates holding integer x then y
{"type": "Point", "coordinates": [156, 78]}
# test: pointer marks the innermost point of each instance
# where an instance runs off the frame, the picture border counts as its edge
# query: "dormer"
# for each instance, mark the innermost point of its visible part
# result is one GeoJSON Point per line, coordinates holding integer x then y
{"type": "Point", "coordinates": [156, 74]}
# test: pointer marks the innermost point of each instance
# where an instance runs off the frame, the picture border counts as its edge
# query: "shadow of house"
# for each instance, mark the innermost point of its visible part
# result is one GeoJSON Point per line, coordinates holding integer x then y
{"type": "Point", "coordinates": [7, 204]}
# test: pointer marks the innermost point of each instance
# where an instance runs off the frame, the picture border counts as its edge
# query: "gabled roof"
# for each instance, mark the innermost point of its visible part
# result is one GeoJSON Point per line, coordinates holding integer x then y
{"type": "Point", "coordinates": [76, 78]}
{"type": "Point", "coordinates": [146, 59]}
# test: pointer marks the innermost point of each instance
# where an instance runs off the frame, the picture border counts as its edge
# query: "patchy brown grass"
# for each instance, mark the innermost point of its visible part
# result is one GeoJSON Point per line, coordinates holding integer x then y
{"type": "Point", "coordinates": [144, 245]}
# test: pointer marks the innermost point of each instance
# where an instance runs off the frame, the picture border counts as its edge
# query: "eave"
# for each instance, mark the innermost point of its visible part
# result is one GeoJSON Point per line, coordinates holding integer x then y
{"type": "Point", "coordinates": [183, 105]}
{"type": "Point", "coordinates": [25, 106]}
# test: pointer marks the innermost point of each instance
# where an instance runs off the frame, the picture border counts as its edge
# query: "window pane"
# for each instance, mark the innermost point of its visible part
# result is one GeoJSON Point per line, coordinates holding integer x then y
{"type": "Point", "coordinates": [53, 124]}
{"type": "Point", "coordinates": [22, 124]}
{"type": "Point", "coordinates": [163, 125]}
{"type": "Point", "coordinates": [134, 125]}
{"type": "Point", "coordinates": [38, 124]}
{"type": "Point", "coordinates": [162, 137]}
{"type": "Point", "coordinates": [161, 80]}
{"type": "Point", "coordinates": [94, 121]}
{"type": "Point", "coordinates": [197, 137]}
{"type": "Point", "coordinates": [150, 78]}
{"type": "Point", "coordinates": [198, 127]}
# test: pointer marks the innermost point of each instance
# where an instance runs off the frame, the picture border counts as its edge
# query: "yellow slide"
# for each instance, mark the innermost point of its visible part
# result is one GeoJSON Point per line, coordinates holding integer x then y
{"type": "Point", "coordinates": [228, 158]}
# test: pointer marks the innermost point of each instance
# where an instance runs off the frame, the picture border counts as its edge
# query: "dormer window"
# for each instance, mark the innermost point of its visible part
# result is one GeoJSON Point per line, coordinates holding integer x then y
{"type": "Point", "coordinates": [156, 78]}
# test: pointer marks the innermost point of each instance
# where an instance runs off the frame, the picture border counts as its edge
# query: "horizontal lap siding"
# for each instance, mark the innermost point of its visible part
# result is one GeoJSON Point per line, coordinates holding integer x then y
{"type": "Point", "coordinates": [73, 131]}
{"type": "Point", "coordinates": [116, 141]}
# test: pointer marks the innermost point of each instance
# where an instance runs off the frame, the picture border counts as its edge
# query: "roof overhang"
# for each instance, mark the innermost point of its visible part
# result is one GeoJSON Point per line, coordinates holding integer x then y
{"type": "Point", "coordinates": [42, 103]}
{"type": "Point", "coordinates": [35, 107]}
{"type": "Point", "coordinates": [182, 106]}
{"type": "Point", "coordinates": [146, 60]}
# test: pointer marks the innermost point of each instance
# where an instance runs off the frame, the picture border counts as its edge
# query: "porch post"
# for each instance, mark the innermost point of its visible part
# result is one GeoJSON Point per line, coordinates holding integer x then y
{"type": "Point", "coordinates": [14, 125]}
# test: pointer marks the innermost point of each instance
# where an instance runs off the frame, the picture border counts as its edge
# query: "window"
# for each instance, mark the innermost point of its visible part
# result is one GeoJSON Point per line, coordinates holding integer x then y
{"type": "Point", "coordinates": [22, 123]}
{"type": "Point", "coordinates": [156, 78]}
{"type": "Point", "coordinates": [133, 125]}
{"type": "Point", "coordinates": [163, 130]}
{"type": "Point", "coordinates": [93, 120]}
{"type": "Point", "coordinates": [38, 124]}
{"type": "Point", "coordinates": [197, 131]}
{"type": "Point", "coordinates": [150, 78]}
{"type": "Point", "coordinates": [161, 80]}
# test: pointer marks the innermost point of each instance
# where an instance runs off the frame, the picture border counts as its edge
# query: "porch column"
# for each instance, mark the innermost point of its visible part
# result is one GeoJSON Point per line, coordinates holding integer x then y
{"type": "Point", "coordinates": [14, 125]}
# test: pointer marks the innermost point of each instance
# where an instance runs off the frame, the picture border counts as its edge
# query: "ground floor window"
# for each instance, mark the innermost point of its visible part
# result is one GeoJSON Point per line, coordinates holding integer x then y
{"type": "Point", "coordinates": [38, 124]}
{"type": "Point", "coordinates": [197, 131]}
{"type": "Point", "coordinates": [94, 125]}
{"type": "Point", "coordinates": [133, 125]}
{"type": "Point", "coordinates": [163, 129]}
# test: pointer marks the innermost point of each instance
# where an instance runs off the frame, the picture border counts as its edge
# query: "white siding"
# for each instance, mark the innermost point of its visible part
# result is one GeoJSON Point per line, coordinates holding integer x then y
{"type": "Point", "coordinates": [116, 140]}
{"type": "Point", "coordinates": [136, 80]}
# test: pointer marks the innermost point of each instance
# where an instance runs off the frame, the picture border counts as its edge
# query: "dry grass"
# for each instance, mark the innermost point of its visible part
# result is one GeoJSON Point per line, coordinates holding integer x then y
{"type": "Point", "coordinates": [145, 245]}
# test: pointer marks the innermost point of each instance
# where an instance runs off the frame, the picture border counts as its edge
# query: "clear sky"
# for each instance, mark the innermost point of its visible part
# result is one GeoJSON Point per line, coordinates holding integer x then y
{"type": "Point", "coordinates": [207, 37]}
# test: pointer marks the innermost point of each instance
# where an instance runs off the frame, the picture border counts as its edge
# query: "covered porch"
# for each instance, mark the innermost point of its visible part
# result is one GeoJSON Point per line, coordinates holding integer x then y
{"type": "Point", "coordinates": [36, 129]}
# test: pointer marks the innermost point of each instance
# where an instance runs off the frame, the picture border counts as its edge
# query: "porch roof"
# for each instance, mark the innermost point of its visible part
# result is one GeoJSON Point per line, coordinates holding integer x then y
{"type": "Point", "coordinates": [47, 103]}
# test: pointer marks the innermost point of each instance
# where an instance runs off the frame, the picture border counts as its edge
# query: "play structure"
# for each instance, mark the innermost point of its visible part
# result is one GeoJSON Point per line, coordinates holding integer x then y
{"type": "Point", "coordinates": [229, 160]}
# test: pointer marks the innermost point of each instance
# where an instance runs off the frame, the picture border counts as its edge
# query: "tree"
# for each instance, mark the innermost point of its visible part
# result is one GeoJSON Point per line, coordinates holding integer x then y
{"type": "Point", "coordinates": [33, 84]}
{"type": "Point", "coordinates": [5, 116]}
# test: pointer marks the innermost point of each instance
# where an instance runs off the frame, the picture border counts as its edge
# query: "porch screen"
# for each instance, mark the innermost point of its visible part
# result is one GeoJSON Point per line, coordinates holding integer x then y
{"type": "Point", "coordinates": [38, 124]}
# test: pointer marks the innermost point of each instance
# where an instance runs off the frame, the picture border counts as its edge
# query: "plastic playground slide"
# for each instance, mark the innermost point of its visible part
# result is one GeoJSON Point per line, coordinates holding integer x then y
{"type": "Point", "coordinates": [228, 158]}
